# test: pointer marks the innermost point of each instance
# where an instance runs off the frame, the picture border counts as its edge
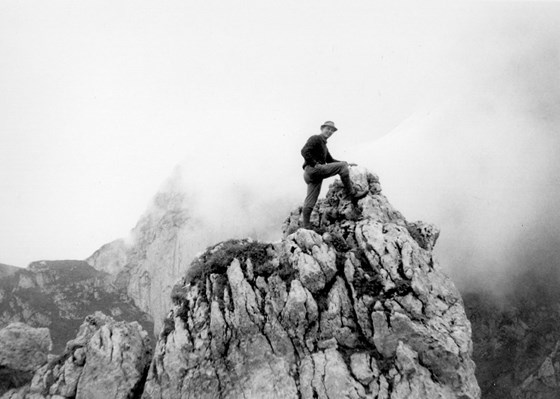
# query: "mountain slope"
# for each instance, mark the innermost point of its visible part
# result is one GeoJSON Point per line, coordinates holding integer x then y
{"type": "Point", "coordinates": [514, 336]}
{"type": "Point", "coordinates": [59, 295]}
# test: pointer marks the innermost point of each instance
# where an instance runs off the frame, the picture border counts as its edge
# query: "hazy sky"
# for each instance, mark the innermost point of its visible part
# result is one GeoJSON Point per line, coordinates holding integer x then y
{"type": "Point", "coordinates": [99, 100]}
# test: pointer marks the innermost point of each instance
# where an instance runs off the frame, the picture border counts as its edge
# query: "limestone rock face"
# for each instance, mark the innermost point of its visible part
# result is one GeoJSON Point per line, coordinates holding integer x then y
{"type": "Point", "coordinates": [162, 244]}
{"type": "Point", "coordinates": [107, 360]}
{"type": "Point", "coordinates": [359, 310]}
{"type": "Point", "coordinates": [23, 349]}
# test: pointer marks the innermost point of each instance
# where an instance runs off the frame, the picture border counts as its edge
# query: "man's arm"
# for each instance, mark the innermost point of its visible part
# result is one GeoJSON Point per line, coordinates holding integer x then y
{"type": "Point", "coordinates": [329, 158]}
{"type": "Point", "coordinates": [308, 149]}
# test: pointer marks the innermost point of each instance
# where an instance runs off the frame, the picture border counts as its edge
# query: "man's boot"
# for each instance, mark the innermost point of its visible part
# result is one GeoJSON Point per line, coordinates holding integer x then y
{"type": "Point", "coordinates": [352, 193]}
{"type": "Point", "coordinates": [307, 218]}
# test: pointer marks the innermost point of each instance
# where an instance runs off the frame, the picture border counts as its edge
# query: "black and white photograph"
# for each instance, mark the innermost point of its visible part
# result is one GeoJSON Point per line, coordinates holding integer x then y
{"type": "Point", "coordinates": [279, 200]}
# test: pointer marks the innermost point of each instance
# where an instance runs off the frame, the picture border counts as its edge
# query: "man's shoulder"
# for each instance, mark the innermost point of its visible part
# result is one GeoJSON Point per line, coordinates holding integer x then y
{"type": "Point", "coordinates": [314, 138]}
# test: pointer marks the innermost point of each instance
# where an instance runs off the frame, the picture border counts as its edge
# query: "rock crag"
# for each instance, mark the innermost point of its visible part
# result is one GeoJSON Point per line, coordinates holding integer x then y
{"type": "Point", "coordinates": [108, 359]}
{"type": "Point", "coordinates": [359, 309]}
{"type": "Point", "coordinates": [161, 246]}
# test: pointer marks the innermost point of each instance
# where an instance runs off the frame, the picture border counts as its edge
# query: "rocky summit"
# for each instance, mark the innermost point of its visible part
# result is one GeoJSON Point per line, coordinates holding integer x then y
{"type": "Point", "coordinates": [358, 308]}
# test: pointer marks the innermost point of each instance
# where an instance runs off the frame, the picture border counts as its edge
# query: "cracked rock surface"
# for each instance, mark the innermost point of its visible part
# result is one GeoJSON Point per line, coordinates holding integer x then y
{"type": "Point", "coordinates": [361, 310]}
{"type": "Point", "coordinates": [106, 360]}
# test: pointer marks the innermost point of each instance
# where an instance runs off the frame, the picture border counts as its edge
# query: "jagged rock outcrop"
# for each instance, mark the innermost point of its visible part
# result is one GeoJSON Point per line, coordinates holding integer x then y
{"type": "Point", "coordinates": [160, 248]}
{"type": "Point", "coordinates": [108, 359]}
{"type": "Point", "coordinates": [361, 310]}
{"type": "Point", "coordinates": [59, 295]}
{"type": "Point", "coordinates": [23, 349]}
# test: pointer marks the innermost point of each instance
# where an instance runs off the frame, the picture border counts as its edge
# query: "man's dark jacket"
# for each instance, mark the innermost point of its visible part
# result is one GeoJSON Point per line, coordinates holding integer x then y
{"type": "Point", "coordinates": [315, 151]}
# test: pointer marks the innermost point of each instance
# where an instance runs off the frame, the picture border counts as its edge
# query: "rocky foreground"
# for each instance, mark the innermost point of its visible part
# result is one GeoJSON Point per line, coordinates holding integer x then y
{"type": "Point", "coordinates": [356, 309]}
{"type": "Point", "coordinates": [107, 359]}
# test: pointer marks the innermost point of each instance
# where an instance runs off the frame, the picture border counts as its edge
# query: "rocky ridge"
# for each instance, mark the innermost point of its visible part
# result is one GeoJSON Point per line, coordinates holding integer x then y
{"type": "Point", "coordinates": [359, 310]}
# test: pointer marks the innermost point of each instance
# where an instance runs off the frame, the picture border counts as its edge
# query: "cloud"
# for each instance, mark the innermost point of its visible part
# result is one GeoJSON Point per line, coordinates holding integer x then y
{"type": "Point", "coordinates": [482, 163]}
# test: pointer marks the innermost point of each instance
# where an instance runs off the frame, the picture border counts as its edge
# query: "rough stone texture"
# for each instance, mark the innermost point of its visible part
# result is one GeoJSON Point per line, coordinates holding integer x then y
{"type": "Point", "coordinates": [59, 295]}
{"type": "Point", "coordinates": [23, 349]}
{"type": "Point", "coordinates": [107, 359]}
{"type": "Point", "coordinates": [359, 311]}
{"type": "Point", "coordinates": [160, 248]}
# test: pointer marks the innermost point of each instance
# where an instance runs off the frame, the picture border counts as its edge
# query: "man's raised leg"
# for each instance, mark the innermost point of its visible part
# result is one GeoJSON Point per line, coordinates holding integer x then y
{"type": "Point", "coordinates": [341, 169]}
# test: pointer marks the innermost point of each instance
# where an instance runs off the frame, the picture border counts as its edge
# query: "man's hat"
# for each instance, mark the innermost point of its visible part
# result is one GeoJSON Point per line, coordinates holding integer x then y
{"type": "Point", "coordinates": [329, 123]}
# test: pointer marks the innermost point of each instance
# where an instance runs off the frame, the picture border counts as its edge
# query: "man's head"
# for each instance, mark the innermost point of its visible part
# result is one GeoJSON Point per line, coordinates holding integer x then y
{"type": "Point", "coordinates": [327, 129]}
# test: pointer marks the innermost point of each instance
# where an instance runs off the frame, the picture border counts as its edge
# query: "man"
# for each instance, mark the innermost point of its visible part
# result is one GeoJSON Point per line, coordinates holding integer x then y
{"type": "Point", "coordinates": [319, 164]}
